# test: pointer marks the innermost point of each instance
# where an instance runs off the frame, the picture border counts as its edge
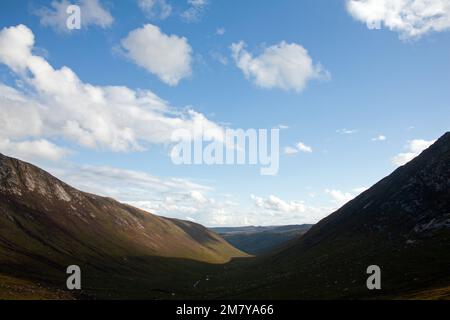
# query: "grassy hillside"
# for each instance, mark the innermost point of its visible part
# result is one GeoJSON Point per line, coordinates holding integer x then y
{"type": "Point", "coordinates": [46, 225]}
{"type": "Point", "coordinates": [401, 224]}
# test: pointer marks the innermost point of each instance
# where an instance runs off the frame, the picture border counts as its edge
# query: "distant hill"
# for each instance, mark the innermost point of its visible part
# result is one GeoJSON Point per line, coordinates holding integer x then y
{"type": "Point", "coordinates": [46, 225]}
{"type": "Point", "coordinates": [401, 224]}
{"type": "Point", "coordinates": [259, 240]}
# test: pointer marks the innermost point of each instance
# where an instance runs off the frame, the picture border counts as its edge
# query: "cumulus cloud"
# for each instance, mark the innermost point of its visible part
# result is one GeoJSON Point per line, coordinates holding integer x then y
{"type": "Point", "coordinates": [276, 204]}
{"type": "Point", "coordinates": [32, 150]}
{"type": "Point", "coordinates": [285, 65]}
{"type": "Point", "coordinates": [275, 210]}
{"type": "Point", "coordinates": [167, 56]}
{"type": "Point", "coordinates": [340, 197]}
{"type": "Point", "coordinates": [13, 105]}
{"type": "Point", "coordinates": [410, 18]}
{"type": "Point", "coordinates": [155, 9]}
{"type": "Point", "coordinates": [58, 104]}
{"type": "Point", "coordinates": [414, 148]}
{"type": "Point", "coordinates": [195, 10]}
{"type": "Point", "coordinates": [304, 148]}
{"type": "Point", "coordinates": [92, 14]}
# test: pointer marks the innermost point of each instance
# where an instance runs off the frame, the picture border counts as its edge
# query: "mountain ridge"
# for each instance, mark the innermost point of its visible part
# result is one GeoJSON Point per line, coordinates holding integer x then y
{"type": "Point", "coordinates": [47, 225]}
{"type": "Point", "coordinates": [401, 224]}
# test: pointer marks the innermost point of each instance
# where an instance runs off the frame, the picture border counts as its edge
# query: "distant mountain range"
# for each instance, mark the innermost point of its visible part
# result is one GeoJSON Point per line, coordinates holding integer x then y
{"type": "Point", "coordinates": [257, 240]}
{"type": "Point", "coordinates": [401, 224]}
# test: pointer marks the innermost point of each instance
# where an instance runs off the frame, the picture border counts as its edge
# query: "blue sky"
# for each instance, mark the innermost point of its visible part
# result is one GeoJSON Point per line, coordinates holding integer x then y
{"type": "Point", "coordinates": [366, 101]}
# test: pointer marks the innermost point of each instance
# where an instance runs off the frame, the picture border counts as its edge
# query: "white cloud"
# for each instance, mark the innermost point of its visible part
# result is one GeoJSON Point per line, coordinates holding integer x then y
{"type": "Point", "coordinates": [414, 148]}
{"type": "Point", "coordinates": [346, 131]}
{"type": "Point", "coordinates": [172, 197]}
{"type": "Point", "coordinates": [274, 211]}
{"type": "Point", "coordinates": [33, 150]}
{"type": "Point", "coordinates": [411, 18]}
{"type": "Point", "coordinates": [274, 203]}
{"type": "Point", "coordinates": [15, 47]}
{"type": "Point", "coordinates": [195, 10]}
{"type": "Point", "coordinates": [92, 14]}
{"type": "Point", "coordinates": [340, 197]}
{"type": "Point", "coordinates": [299, 147]}
{"type": "Point", "coordinates": [285, 65]}
{"type": "Point", "coordinates": [58, 104]}
{"type": "Point", "coordinates": [165, 196]}
{"type": "Point", "coordinates": [290, 151]}
{"type": "Point", "coordinates": [167, 56]}
{"type": "Point", "coordinates": [181, 198]}
{"type": "Point", "coordinates": [128, 185]}
{"type": "Point", "coordinates": [198, 196]}
{"type": "Point", "coordinates": [155, 9]}
{"type": "Point", "coordinates": [13, 107]}
{"type": "Point", "coordinates": [304, 148]}
{"type": "Point", "coordinates": [379, 138]}
{"type": "Point", "coordinates": [359, 190]}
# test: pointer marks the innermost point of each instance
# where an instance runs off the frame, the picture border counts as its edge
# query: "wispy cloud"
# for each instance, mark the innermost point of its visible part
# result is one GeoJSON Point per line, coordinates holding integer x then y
{"type": "Point", "coordinates": [220, 31]}
{"type": "Point", "coordinates": [346, 131]}
{"type": "Point", "coordinates": [195, 10]}
{"type": "Point", "coordinates": [379, 138]}
{"type": "Point", "coordinates": [290, 151]}
{"type": "Point", "coordinates": [299, 147]}
{"type": "Point", "coordinates": [155, 9]}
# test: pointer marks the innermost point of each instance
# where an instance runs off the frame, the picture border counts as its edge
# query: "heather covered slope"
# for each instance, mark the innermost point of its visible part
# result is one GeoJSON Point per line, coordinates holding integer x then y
{"type": "Point", "coordinates": [401, 224]}
{"type": "Point", "coordinates": [46, 225]}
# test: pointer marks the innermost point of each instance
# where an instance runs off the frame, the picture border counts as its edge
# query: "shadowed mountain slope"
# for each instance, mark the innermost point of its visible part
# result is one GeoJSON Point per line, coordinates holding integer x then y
{"type": "Point", "coordinates": [46, 225]}
{"type": "Point", "coordinates": [401, 224]}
